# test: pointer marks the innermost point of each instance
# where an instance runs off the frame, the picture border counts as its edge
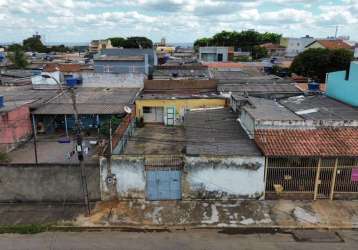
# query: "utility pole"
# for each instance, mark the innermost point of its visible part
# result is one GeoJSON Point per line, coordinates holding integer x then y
{"type": "Point", "coordinates": [79, 146]}
{"type": "Point", "coordinates": [35, 138]}
{"type": "Point", "coordinates": [79, 149]}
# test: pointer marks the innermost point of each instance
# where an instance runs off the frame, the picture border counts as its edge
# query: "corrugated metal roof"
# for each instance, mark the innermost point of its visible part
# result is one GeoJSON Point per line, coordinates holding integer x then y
{"type": "Point", "coordinates": [324, 108]}
{"type": "Point", "coordinates": [91, 101]}
{"type": "Point", "coordinates": [217, 133]}
{"type": "Point", "coordinates": [324, 142]}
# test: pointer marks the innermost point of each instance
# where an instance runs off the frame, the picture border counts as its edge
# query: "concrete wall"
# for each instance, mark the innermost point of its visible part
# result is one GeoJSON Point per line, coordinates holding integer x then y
{"type": "Point", "coordinates": [221, 178]}
{"type": "Point", "coordinates": [47, 182]}
{"type": "Point", "coordinates": [203, 178]}
{"type": "Point", "coordinates": [341, 89]}
{"type": "Point", "coordinates": [130, 178]}
{"type": "Point", "coordinates": [120, 67]}
{"type": "Point", "coordinates": [108, 80]}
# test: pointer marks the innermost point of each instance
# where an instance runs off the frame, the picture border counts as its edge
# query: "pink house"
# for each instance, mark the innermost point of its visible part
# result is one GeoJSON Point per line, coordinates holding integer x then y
{"type": "Point", "coordinates": [15, 125]}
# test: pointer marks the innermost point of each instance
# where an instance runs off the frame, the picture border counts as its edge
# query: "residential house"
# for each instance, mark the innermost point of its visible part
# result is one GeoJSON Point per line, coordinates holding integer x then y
{"type": "Point", "coordinates": [94, 105]}
{"type": "Point", "coordinates": [274, 49]}
{"type": "Point", "coordinates": [15, 124]}
{"type": "Point", "coordinates": [214, 54]}
{"type": "Point", "coordinates": [295, 46]}
{"type": "Point", "coordinates": [307, 140]}
{"type": "Point", "coordinates": [343, 85]}
{"type": "Point", "coordinates": [211, 157]}
{"type": "Point", "coordinates": [312, 164]}
{"type": "Point", "coordinates": [329, 44]}
{"type": "Point", "coordinates": [166, 101]}
{"type": "Point", "coordinates": [58, 73]}
{"type": "Point", "coordinates": [96, 46]}
{"type": "Point", "coordinates": [121, 61]}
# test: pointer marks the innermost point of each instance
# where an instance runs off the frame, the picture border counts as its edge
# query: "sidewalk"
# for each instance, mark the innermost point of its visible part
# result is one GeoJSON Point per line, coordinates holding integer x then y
{"type": "Point", "coordinates": [282, 214]}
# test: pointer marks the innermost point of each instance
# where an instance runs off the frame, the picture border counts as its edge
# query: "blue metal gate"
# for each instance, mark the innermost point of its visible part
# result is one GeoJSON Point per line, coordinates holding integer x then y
{"type": "Point", "coordinates": [163, 185]}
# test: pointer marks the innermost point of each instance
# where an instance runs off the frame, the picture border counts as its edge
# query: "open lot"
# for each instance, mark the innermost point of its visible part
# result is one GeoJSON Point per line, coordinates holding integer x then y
{"type": "Point", "coordinates": [155, 139]}
{"type": "Point", "coordinates": [50, 150]}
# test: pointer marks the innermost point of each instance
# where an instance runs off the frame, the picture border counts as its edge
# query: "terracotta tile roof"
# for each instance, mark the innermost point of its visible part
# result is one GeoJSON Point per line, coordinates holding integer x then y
{"type": "Point", "coordinates": [333, 44]}
{"type": "Point", "coordinates": [272, 46]}
{"type": "Point", "coordinates": [68, 67]}
{"type": "Point", "coordinates": [323, 142]}
{"type": "Point", "coordinates": [225, 65]}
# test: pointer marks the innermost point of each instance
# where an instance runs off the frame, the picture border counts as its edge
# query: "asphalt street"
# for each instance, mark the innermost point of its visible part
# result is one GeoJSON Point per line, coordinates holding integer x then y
{"type": "Point", "coordinates": [178, 240]}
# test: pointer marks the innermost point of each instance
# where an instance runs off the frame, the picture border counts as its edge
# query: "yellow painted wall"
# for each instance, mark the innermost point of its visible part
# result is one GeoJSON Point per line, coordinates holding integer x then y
{"type": "Point", "coordinates": [180, 104]}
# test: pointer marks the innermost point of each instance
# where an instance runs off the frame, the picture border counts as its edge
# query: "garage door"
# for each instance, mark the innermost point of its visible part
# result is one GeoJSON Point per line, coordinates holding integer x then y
{"type": "Point", "coordinates": [163, 185]}
{"type": "Point", "coordinates": [153, 114]}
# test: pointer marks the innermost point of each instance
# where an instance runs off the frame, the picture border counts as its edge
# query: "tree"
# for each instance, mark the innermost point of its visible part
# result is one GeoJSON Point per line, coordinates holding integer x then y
{"type": "Point", "coordinates": [18, 58]}
{"type": "Point", "coordinates": [117, 41]}
{"type": "Point", "coordinates": [138, 42]}
{"type": "Point", "coordinates": [202, 42]}
{"type": "Point", "coordinates": [34, 44]}
{"type": "Point", "coordinates": [245, 40]}
{"type": "Point", "coordinates": [259, 52]}
{"type": "Point", "coordinates": [14, 47]}
{"type": "Point", "coordinates": [316, 63]}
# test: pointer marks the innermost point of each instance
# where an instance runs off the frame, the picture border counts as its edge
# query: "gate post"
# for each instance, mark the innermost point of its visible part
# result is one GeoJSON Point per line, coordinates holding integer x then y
{"type": "Point", "coordinates": [317, 182]}
{"type": "Point", "coordinates": [333, 184]}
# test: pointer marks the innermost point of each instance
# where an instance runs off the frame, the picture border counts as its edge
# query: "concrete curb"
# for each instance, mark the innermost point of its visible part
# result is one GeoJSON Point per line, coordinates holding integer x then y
{"type": "Point", "coordinates": [266, 229]}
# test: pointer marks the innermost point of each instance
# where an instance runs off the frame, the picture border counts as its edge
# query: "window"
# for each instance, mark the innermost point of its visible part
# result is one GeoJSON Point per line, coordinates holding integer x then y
{"type": "Point", "coordinates": [147, 110]}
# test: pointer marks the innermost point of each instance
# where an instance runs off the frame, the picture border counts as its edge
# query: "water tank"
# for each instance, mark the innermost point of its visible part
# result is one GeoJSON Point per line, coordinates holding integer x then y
{"type": "Point", "coordinates": [313, 86]}
{"type": "Point", "coordinates": [71, 82]}
{"type": "Point", "coordinates": [1, 101]}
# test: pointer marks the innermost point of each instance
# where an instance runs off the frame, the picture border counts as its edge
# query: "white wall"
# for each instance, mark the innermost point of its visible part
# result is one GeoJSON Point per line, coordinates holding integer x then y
{"type": "Point", "coordinates": [235, 177]}
{"type": "Point", "coordinates": [356, 53]}
{"type": "Point", "coordinates": [38, 80]}
{"type": "Point", "coordinates": [130, 178]}
{"type": "Point", "coordinates": [109, 80]}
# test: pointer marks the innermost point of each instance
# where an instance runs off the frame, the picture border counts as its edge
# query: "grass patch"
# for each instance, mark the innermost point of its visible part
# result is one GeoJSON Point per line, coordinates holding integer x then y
{"type": "Point", "coordinates": [24, 229]}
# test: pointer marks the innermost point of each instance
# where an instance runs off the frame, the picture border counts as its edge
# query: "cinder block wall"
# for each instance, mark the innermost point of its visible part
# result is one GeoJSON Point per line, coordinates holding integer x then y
{"type": "Point", "coordinates": [47, 183]}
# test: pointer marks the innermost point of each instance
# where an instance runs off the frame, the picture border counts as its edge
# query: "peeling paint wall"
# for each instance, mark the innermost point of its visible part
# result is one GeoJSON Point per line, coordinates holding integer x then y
{"type": "Point", "coordinates": [130, 178]}
{"type": "Point", "coordinates": [222, 178]}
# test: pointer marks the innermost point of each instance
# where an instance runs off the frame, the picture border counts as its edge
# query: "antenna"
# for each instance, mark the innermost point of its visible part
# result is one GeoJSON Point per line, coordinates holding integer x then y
{"type": "Point", "coordinates": [127, 109]}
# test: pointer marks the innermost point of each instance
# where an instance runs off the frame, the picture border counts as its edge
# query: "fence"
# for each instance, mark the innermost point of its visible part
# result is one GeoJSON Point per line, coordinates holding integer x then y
{"type": "Point", "coordinates": [124, 131]}
{"type": "Point", "coordinates": [312, 178]}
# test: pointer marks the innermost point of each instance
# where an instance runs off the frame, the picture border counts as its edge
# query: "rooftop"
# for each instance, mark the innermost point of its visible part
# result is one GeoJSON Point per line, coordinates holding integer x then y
{"type": "Point", "coordinates": [68, 67]}
{"type": "Point", "coordinates": [324, 142]}
{"type": "Point", "coordinates": [258, 89]}
{"type": "Point", "coordinates": [27, 94]}
{"type": "Point", "coordinates": [119, 58]}
{"type": "Point", "coordinates": [320, 107]}
{"type": "Point", "coordinates": [91, 101]}
{"type": "Point", "coordinates": [217, 133]}
{"type": "Point", "coordinates": [332, 44]}
{"type": "Point", "coordinates": [265, 109]}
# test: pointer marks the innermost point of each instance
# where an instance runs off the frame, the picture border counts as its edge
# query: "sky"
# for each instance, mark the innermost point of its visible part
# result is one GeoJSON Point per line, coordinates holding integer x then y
{"type": "Point", "coordinates": [73, 21]}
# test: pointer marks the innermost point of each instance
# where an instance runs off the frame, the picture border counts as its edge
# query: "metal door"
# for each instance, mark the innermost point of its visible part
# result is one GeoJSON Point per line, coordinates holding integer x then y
{"type": "Point", "coordinates": [170, 116]}
{"type": "Point", "coordinates": [163, 185]}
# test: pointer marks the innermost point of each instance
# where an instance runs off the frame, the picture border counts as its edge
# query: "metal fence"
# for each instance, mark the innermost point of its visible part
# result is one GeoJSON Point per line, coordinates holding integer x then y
{"type": "Point", "coordinates": [311, 178]}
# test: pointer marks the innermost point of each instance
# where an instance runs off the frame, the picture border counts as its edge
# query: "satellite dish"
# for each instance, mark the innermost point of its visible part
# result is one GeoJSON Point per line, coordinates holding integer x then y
{"type": "Point", "coordinates": [127, 109]}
